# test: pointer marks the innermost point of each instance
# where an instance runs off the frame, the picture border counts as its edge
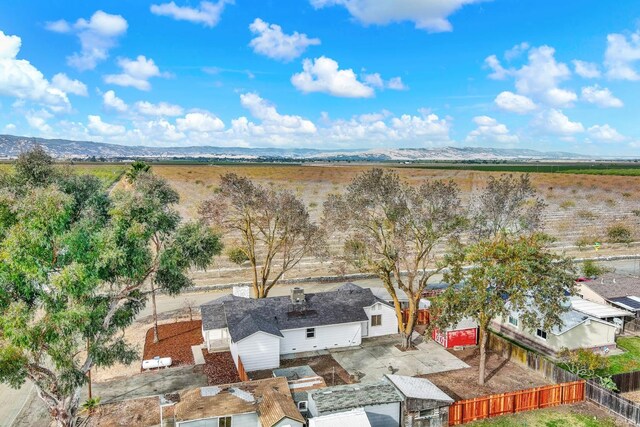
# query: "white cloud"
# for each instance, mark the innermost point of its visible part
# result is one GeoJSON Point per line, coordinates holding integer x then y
{"type": "Point", "coordinates": [154, 131]}
{"type": "Point", "coordinates": [605, 133]}
{"type": "Point", "coordinates": [621, 55]}
{"type": "Point", "coordinates": [207, 14]}
{"type": "Point", "coordinates": [514, 103]}
{"type": "Point", "coordinates": [112, 102]}
{"type": "Point", "coordinates": [97, 126]}
{"type": "Point", "coordinates": [426, 15]}
{"type": "Point", "coordinates": [489, 130]}
{"type": "Point", "coordinates": [135, 73]}
{"type": "Point", "coordinates": [587, 70]}
{"type": "Point", "coordinates": [554, 122]}
{"type": "Point", "coordinates": [539, 78]}
{"type": "Point", "coordinates": [323, 75]}
{"type": "Point", "coordinates": [601, 97]}
{"type": "Point", "coordinates": [9, 127]}
{"type": "Point", "coordinates": [19, 79]}
{"type": "Point", "coordinates": [272, 121]}
{"type": "Point", "coordinates": [160, 109]}
{"type": "Point", "coordinates": [65, 84]}
{"type": "Point", "coordinates": [270, 41]}
{"type": "Point", "coordinates": [38, 120]}
{"type": "Point", "coordinates": [97, 36]}
{"type": "Point", "coordinates": [376, 80]}
{"type": "Point", "coordinates": [200, 122]}
{"type": "Point", "coordinates": [516, 51]}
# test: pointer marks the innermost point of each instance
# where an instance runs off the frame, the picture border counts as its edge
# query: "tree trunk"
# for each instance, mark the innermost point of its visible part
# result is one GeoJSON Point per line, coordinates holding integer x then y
{"type": "Point", "coordinates": [156, 337]}
{"type": "Point", "coordinates": [483, 355]}
{"type": "Point", "coordinates": [408, 326]}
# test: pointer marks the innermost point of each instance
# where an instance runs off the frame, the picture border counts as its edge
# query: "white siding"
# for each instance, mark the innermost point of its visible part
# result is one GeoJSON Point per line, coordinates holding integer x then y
{"type": "Point", "coordinates": [387, 415]}
{"type": "Point", "coordinates": [332, 336]}
{"type": "Point", "coordinates": [233, 347]}
{"type": "Point", "coordinates": [211, 335]}
{"type": "Point", "coordinates": [259, 351]}
{"type": "Point", "coordinates": [241, 420]}
{"type": "Point", "coordinates": [287, 422]}
{"type": "Point", "coordinates": [389, 324]}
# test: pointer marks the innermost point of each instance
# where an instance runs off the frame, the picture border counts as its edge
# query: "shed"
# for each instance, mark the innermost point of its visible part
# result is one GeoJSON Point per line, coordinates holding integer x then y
{"type": "Point", "coordinates": [425, 405]}
{"type": "Point", "coordinates": [464, 333]}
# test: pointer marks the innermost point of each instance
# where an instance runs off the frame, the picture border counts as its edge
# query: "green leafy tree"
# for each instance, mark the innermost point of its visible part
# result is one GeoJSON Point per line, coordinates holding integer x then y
{"type": "Point", "coordinates": [508, 274]}
{"type": "Point", "coordinates": [150, 205]}
{"type": "Point", "coordinates": [392, 231]}
{"type": "Point", "coordinates": [72, 277]}
{"type": "Point", "coordinates": [591, 268]}
{"type": "Point", "coordinates": [270, 229]}
{"type": "Point", "coordinates": [138, 167]}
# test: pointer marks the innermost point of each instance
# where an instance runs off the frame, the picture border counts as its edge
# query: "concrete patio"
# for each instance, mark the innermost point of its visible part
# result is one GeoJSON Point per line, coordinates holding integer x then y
{"type": "Point", "coordinates": [371, 360]}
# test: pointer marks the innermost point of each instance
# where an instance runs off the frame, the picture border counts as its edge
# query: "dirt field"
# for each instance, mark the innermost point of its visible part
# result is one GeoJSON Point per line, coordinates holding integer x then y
{"type": "Point", "coordinates": [580, 207]}
{"type": "Point", "coordinates": [175, 342]}
{"type": "Point", "coordinates": [139, 412]}
{"type": "Point", "coordinates": [220, 368]}
{"type": "Point", "coordinates": [502, 376]}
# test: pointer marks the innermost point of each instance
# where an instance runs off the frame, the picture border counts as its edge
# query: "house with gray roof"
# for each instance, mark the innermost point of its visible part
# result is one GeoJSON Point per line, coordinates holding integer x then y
{"type": "Point", "coordinates": [578, 330]}
{"type": "Point", "coordinates": [258, 331]}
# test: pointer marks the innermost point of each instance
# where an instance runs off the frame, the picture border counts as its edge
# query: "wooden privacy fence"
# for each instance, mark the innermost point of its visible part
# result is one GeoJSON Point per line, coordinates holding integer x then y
{"type": "Point", "coordinates": [627, 382]}
{"type": "Point", "coordinates": [241, 372]}
{"type": "Point", "coordinates": [615, 403]}
{"type": "Point", "coordinates": [465, 411]}
{"type": "Point", "coordinates": [423, 316]}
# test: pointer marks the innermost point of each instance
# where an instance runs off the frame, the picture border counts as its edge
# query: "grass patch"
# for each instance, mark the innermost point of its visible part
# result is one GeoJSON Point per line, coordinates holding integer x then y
{"type": "Point", "coordinates": [551, 417]}
{"type": "Point", "coordinates": [628, 361]}
{"type": "Point", "coordinates": [108, 174]}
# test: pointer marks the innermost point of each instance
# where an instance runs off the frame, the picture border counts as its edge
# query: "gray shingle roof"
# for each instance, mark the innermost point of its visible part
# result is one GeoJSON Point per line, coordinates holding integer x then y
{"type": "Point", "coordinates": [615, 285]}
{"type": "Point", "coordinates": [244, 316]}
{"type": "Point", "coordinates": [343, 397]}
{"type": "Point", "coordinates": [418, 388]}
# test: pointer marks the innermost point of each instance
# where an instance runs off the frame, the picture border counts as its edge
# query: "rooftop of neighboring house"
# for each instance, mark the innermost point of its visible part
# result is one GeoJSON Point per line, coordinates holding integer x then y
{"type": "Point", "coordinates": [601, 311]}
{"type": "Point", "coordinates": [245, 316]}
{"type": "Point", "coordinates": [351, 396]}
{"type": "Point", "coordinates": [613, 285]}
{"type": "Point", "coordinates": [269, 398]}
{"type": "Point", "coordinates": [631, 303]}
{"type": "Point", "coordinates": [419, 388]}
{"type": "Point", "coordinates": [353, 418]}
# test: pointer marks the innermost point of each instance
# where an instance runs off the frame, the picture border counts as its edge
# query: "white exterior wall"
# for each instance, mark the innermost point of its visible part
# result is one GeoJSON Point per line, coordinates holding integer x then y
{"type": "Point", "coordinates": [233, 348]}
{"type": "Point", "coordinates": [380, 415]}
{"type": "Point", "coordinates": [286, 422]}
{"type": "Point", "coordinates": [240, 420]}
{"type": "Point", "coordinates": [214, 335]}
{"type": "Point", "coordinates": [389, 324]}
{"type": "Point", "coordinates": [331, 336]}
{"type": "Point", "coordinates": [259, 351]}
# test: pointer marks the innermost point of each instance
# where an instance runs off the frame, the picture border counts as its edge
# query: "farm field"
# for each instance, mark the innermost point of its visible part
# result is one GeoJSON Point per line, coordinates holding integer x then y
{"type": "Point", "coordinates": [108, 173]}
{"type": "Point", "coordinates": [579, 168]}
{"type": "Point", "coordinates": [580, 207]}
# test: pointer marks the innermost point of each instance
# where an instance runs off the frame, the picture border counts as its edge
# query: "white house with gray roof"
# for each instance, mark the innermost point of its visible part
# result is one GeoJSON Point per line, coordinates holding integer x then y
{"type": "Point", "coordinates": [258, 331]}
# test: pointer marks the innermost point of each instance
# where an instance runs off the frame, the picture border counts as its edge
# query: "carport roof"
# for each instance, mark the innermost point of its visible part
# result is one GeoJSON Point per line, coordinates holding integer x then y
{"type": "Point", "coordinates": [419, 388]}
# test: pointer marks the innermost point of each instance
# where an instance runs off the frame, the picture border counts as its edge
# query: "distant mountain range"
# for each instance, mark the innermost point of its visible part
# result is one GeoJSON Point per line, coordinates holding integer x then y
{"type": "Point", "coordinates": [11, 146]}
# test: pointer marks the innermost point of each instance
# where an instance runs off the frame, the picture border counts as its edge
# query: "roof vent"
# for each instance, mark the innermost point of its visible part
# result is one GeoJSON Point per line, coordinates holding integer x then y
{"type": "Point", "coordinates": [297, 296]}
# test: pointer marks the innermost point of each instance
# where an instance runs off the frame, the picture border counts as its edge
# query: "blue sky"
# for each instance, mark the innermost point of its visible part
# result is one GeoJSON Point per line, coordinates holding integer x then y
{"type": "Point", "coordinates": [541, 74]}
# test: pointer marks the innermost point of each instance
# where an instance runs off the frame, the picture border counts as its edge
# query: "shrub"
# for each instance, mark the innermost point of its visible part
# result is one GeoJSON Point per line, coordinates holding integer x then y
{"type": "Point", "coordinates": [584, 241]}
{"type": "Point", "coordinates": [237, 256]}
{"type": "Point", "coordinates": [313, 205]}
{"type": "Point", "coordinates": [619, 233]}
{"type": "Point", "coordinates": [591, 268]}
{"type": "Point", "coordinates": [626, 194]}
{"type": "Point", "coordinates": [567, 204]}
{"type": "Point", "coordinates": [636, 212]}
{"type": "Point", "coordinates": [586, 214]}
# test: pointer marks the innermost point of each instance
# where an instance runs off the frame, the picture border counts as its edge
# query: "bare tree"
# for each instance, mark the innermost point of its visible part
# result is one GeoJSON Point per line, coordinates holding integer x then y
{"type": "Point", "coordinates": [392, 230]}
{"type": "Point", "coordinates": [508, 204]}
{"type": "Point", "coordinates": [272, 229]}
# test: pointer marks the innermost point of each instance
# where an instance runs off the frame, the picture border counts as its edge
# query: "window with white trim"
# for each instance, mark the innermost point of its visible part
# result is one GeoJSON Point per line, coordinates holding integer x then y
{"type": "Point", "coordinates": [376, 320]}
{"type": "Point", "coordinates": [302, 406]}
{"type": "Point", "coordinates": [541, 334]}
{"type": "Point", "coordinates": [224, 422]}
{"type": "Point", "coordinates": [513, 320]}
{"type": "Point", "coordinates": [311, 332]}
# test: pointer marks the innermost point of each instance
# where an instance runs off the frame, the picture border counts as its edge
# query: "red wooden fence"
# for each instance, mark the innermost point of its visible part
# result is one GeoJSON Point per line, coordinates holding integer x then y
{"type": "Point", "coordinates": [241, 372]}
{"type": "Point", "coordinates": [423, 316]}
{"type": "Point", "coordinates": [465, 411]}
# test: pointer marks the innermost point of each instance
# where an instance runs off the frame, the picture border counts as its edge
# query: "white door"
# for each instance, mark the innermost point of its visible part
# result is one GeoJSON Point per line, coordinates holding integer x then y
{"type": "Point", "coordinates": [365, 328]}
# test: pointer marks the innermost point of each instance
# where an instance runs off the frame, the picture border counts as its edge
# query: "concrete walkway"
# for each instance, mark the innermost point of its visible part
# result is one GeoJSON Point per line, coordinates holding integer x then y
{"type": "Point", "coordinates": [379, 356]}
{"type": "Point", "coordinates": [198, 357]}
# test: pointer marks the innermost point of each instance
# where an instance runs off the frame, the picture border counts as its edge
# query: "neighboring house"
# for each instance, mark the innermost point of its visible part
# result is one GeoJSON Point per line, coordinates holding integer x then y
{"type": "Point", "coordinates": [403, 299]}
{"type": "Point", "coordinates": [353, 418]}
{"type": "Point", "coordinates": [258, 331]}
{"type": "Point", "coordinates": [262, 403]}
{"type": "Point", "coordinates": [381, 402]}
{"type": "Point", "coordinates": [608, 313]}
{"type": "Point", "coordinates": [578, 330]}
{"type": "Point", "coordinates": [609, 286]}
{"type": "Point", "coordinates": [301, 379]}
{"type": "Point", "coordinates": [465, 333]}
{"type": "Point", "coordinates": [425, 405]}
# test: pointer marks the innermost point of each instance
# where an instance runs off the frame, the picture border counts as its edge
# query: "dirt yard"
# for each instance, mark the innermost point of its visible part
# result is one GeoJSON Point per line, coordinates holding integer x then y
{"type": "Point", "coordinates": [502, 376]}
{"type": "Point", "coordinates": [632, 395]}
{"type": "Point", "coordinates": [220, 369]}
{"type": "Point", "coordinates": [175, 342]}
{"type": "Point", "coordinates": [325, 366]}
{"type": "Point", "coordinates": [139, 412]}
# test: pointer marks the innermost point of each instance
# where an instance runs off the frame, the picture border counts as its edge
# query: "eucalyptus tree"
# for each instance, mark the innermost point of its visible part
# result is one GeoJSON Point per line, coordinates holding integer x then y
{"type": "Point", "coordinates": [393, 229]}
{"type": "Point", "coordinates": [73, 276]}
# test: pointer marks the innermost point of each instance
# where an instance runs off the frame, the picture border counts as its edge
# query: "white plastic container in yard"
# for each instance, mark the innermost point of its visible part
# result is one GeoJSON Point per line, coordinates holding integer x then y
{"type": "Point", "coordinates": [156, 362]}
